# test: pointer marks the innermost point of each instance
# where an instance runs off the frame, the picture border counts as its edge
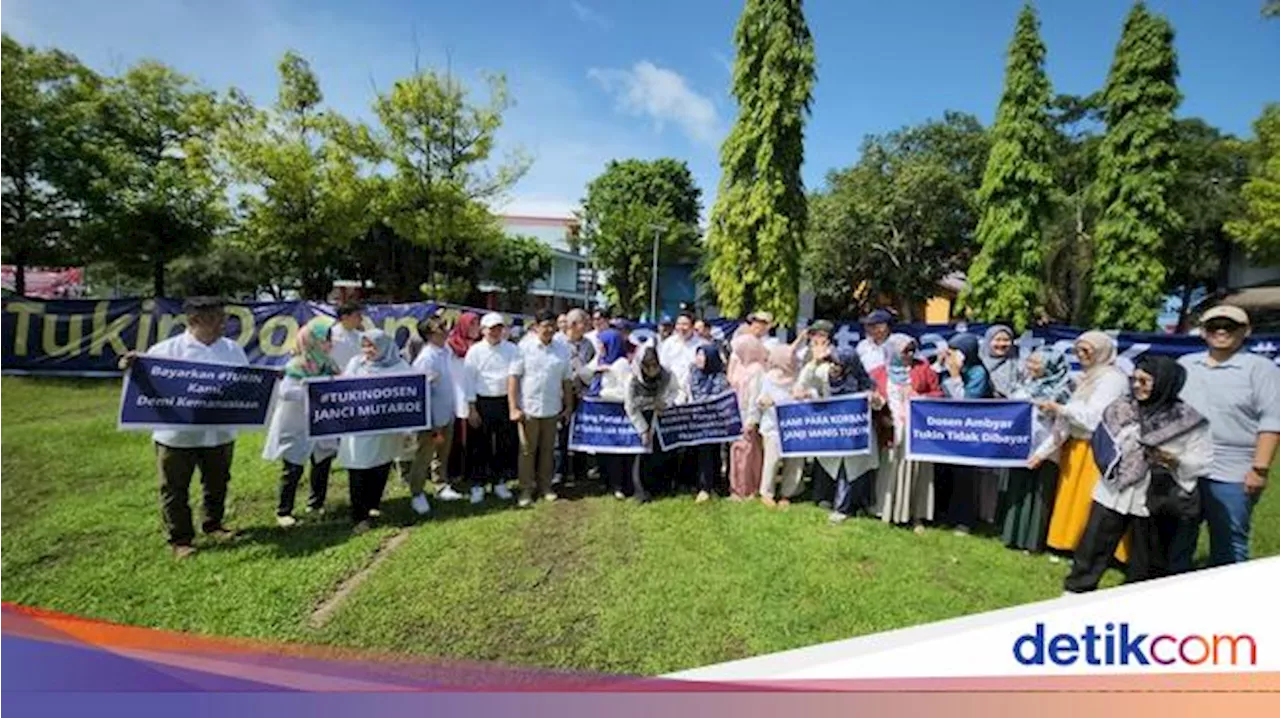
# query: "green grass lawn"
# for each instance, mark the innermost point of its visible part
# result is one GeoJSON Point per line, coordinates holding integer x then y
{"type": "Point", "coordinates": [586, 584]}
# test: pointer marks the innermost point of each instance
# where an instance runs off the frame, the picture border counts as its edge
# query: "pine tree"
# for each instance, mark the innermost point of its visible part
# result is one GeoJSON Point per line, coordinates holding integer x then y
{"type": "Point", "coordinates": [1136, 175]}
{"type": "Point", "coordinates": [1016, 197]}
{"type": "Point", "coordinates": [757, 225]}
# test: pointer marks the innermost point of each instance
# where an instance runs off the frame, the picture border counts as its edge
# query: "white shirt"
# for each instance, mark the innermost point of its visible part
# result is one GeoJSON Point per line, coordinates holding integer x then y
{"type": "Point", "coordinates": [676, 354]}
{"type": "Point", "coordinates": [369, 450]}
{"type": "Point", "coordinates": [459, 379]}
{"type": "Point", "coordinates": [434, 362]}
{"type": "Point", "coordinates": [543, 369]}
{"type": "Point", "coordinates": [488, 366]}
{"type": "Point", "coordinates": [871, 354]}
{"type": "Point", "coordinates": [185, 346]}
{"type": "Point", "coordinates": [346, 344]}
{"type": "Point", "coordinates": [287, 434]}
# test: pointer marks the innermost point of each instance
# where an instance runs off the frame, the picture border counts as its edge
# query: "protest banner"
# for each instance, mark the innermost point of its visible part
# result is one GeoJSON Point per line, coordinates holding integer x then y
{"type": "Point", "coordinates": [162, 393]}
{"type": "Point", "coordinates": [839, 426]}
{"type": "Point", "coordinates": [603, 427]}
{"type": "Point", "coordinates": [970, 432]}
{"type": "Point", "coordinates": [713, 421]}
{"type": "Point", "coordinates": [381, 404]}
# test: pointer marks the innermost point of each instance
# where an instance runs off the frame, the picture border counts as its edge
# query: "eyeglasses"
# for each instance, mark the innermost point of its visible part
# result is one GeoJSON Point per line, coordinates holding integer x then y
{"type": "Point", "coordinates": [1143, 380]}
{"type": "Point", "coordinates": [1227, 326]}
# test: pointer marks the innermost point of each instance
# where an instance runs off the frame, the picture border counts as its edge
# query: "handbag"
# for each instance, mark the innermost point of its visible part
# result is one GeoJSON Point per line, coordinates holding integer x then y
{"type": "Point", "coordinates": [1166, 497]}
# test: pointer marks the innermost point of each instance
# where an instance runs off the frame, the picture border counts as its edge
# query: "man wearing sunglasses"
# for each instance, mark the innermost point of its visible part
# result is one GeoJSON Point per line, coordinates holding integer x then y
{"type": "Point", "coordinates": [1239, 393]}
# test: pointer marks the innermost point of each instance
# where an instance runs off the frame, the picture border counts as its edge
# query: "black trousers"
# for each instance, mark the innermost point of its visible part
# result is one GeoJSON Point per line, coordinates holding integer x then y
{"type": "Point", "coordinates": [956, 494]}
{"type": "Point", "coordinates": [824, 486]}
{"type": "Point", "coordinates": [1102, 535]}
{"type": "Point", "coordinates": [366, 487]}
{"type": "Point", "coordinates": [176, 467]}
{"type": "Point", "coordinates": [707, 457]}
{"type": "Point", "coordinates": [616, 471]}
{"type": "Point", "coordinates": [570, 464]}
{"type": "Point", "coordinates": [291, 474]}
{"type": "Point", "coordinates": [493, 446]}
{"type": "Point", "coordinates": [650, 474]}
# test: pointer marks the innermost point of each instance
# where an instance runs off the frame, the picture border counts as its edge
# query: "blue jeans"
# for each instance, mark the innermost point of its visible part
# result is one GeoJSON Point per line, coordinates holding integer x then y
{"type": "Point", "coordinates": [855, 494]}
{"type": "Point", "coordinates": [1227, 508]}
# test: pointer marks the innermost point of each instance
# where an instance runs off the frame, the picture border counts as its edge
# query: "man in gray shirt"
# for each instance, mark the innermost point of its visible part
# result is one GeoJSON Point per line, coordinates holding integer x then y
{"type": "Point", "coordinates": [1239, 393]}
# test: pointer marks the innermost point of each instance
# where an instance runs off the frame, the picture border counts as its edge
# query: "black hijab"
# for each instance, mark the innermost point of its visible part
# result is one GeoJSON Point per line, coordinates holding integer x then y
{"type": "Point", "coordinates": [1167, 377]}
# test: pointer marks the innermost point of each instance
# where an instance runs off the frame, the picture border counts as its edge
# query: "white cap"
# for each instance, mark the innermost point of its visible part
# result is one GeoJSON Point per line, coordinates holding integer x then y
{"type": "Point", "coordinates": [492, 319]}
{"type": "Point", "coordinates": [1228, 312]}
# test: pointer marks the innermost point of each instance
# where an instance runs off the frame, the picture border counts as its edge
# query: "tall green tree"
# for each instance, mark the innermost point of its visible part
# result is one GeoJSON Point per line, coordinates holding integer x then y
{"type": "Point", "coordinates": [159, 195]}
{"type": "Point", "coordinates": [628, 207]}
{"type": "Point", "coordinates": [1137, 168]}
{"type": "Point", "coordinates": [438, 144]}
{"type": "Point", "coordinates": [1016, 197]}
{"type": "Point", "coordinates": [1068, 259]}
{"type": "Point", "coordinates": [48, 102]}
{"type": "Point", "coordinates": [890, 227]}
{"type": "Point", "coordinates": [308, 195]}
{"type": "Point", "coordinates": [757, 228]}
{"type": "Point", "coordinates": [516, 262]}
{"type": "Point", "coordinates": [1257, 228]}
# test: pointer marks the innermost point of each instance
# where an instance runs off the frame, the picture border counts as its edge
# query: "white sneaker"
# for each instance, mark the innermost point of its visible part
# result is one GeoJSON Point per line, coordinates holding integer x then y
{"type": "Point", "coordinates": [285, 522]}
{"type": "Point", "coordinates": [837, 518]}
{"type": "Point", "coordinates": [549, 497]}
{"type": "Point", "coordinates": [374, 513]}
{"type": "Point", "coordinates": [502, 492]}
{"type": "Point", "coordinates": [448, 494]}
{"type": "Point", "coordinates": [477, 495]}
{"type": "Point", "coordinates": [420, 504]}
{"type": "Point", "coordinates": [619, 495]}
{"type": "Point", "coordinates": [525, 503]}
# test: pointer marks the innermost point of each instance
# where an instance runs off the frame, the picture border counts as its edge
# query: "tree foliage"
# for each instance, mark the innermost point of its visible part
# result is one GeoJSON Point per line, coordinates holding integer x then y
{"type": "Point", "coordinates": [1016, 197]}
{"type": "Point", "coordinates": [308, 192]}
{"type": "Point", "coordinates": [902, 218]}
{"type": "Point", "coordinates": [48, 98]}
{"type": "Point", "coordinates": [1137, 168]}
{"type": "Point", "coordinates": [625, 206]}
{"type": "Point", "coordinates": [158, 195]}
{"type": "Point", "coordinates": [515, 263]}
{"type": "Point", "coordinates": [1068, 259]}
{"type": "Point", "coordinates": [1257, 229]}
{"type": "Point", "coordinates": [757, 230]}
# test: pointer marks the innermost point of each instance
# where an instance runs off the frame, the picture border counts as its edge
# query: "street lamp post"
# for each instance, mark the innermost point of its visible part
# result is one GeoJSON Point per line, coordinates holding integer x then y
{"type": "Point", "coordinates": [653, 279]}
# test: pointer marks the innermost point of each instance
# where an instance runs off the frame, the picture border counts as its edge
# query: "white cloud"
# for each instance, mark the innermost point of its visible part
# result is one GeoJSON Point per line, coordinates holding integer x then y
{"type": "Point", "coordinates": [662, 95]}
{"type": "Point", "coordinates": [589, 16]}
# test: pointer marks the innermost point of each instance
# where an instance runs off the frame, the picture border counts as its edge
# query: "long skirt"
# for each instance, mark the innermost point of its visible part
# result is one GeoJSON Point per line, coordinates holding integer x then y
{"type": "Point", "coordinates": [746, 465]}
{"type": "Point", "coordinates": [986, 488]}
{"type": "Point", "coordinates": [1076, 477]}
{"type": "Point", "coordinates": [904, 489]}
{"type": "Point", "coordinates": [1025, 506]}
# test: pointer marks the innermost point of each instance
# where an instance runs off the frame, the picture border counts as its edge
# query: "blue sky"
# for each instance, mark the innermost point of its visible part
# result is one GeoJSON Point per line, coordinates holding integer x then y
{"type": "Point", "coordinates": [596, 80]}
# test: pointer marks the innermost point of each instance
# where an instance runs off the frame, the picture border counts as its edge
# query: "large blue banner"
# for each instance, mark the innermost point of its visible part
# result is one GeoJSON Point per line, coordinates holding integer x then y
{"type": "Point", "coordinates": [970, 432]}
{"type": "Point", "coordinates": [161, 393]}
{"type": "Point", "coordinates": [603, 427]}
{"type": "Point", "coordinates": [85, 337]}
{"type": "Point", "coordinates": [714, 421]}
{"type": "Point", "coordinates": [367, 404]}
{"type": "Point", "coordinates": [839, 426]}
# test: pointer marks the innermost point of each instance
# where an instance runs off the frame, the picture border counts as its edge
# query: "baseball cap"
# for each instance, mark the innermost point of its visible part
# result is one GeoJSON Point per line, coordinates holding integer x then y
{"type": "Point", "coordinates": [766, 317]}
{"type": "Point", "coordinates": [879, 316]}
{"type": "Point", "coordinates": [492, 319]}
{"type": "Point", "coordinates": [1226, 311]}
{"type": "Point", "coordinates": [822, 325]}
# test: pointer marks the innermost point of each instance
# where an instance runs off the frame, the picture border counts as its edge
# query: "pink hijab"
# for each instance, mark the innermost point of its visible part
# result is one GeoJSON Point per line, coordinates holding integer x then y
{"type": "Point", "coordinates": [782, 365]}
{"type": "Point", "coordinates": [749, 356]}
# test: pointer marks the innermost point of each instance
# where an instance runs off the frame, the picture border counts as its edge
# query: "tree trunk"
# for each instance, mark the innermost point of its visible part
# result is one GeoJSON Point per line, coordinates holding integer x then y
{"type": "Point", "coordinates": [1184, 310]}
{"type": "Point", "coordinates": [20, 273]}
{"type": "Point", "coordinates": [157, 277]}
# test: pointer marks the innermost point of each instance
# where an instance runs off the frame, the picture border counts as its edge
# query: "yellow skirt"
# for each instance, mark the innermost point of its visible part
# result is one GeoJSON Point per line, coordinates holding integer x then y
{"type": "Point", "coordinates": [1077, 474]}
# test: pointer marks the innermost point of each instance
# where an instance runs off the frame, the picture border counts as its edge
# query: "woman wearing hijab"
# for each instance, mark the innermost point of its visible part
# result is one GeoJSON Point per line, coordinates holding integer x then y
{"type": "Point", "coordinates": [465, 332]}
{"type": "Point", "coordinates": [287, 435]}
{"type": "Point", "coordinates": [1101, 384]}
{"type": "Point", "coordinates": [1000, 357]}
{"type": "Point", "coordinates": [838, 375]}
{"type": "Point", "coordinates": [775, 387]}
{"type": "Point", "coordinates": [1027, 498]}
{"type": "Point", "coordinates": [746, 455]}
{"type": "Point", "coordinates": [1147, 434]}
{"type": "Point", "coordinates": [904, 489]}
{"type": "Point", "coordinates": [651, 390]}
{"type": "Point", "coordinates": [612, 374]}
{"type": "Point", "coordinates": [707, 380]}
{"type": "Point", "coordinates": [956, 488]}
{"type": "Point", "coordinates": [368, 458]}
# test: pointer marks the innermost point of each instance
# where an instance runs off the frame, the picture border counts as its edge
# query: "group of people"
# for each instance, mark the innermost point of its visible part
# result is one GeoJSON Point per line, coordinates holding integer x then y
{"type": "Point", "coordinates": [1124, 468]}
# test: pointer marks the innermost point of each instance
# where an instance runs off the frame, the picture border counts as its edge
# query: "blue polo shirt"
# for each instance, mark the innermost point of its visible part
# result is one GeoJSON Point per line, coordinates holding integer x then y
{"type": "Point", "coordinates": [1241, 398]}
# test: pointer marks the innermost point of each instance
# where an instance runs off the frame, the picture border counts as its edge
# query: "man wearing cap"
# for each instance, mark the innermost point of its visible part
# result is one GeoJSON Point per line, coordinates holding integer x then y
{"type": "Point", "coordinates": [1239, 393]}
{"type": "Point", "coordinates": [491, 451]}
{"type": "Point", "coordinates": [871, 349]}
{"type": "Point", "coordinates": [180, 453]}
{"type": "Point", "coordinates": [759, 323]}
